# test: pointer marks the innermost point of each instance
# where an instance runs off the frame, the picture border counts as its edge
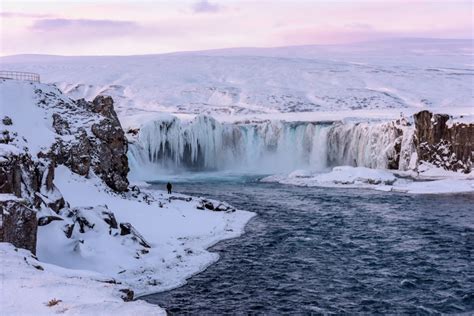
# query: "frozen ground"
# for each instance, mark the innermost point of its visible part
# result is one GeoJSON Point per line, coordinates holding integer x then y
{"type": "Point", "coordinates": [429, 181]}
{"type": "Point", "coordinates": [31, 287]}
{"type": "Point", "coordinates": [404, 75]}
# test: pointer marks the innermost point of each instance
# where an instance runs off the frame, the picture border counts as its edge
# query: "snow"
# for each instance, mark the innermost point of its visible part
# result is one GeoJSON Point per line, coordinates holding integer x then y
{"type": "Point", "coordinates": [75, 268]}
{"type": "Point", "coordinates": [444, 186]}
{"type": "Point", "coordinates": [8, 197]}
{"type": "Point", "coordinates": [378, 179]}
{"type": "Point", "coordinates": [178, 244]}
{"type": "Point", "coordinates": [252, 82]}
{"type": "Point", "coordinates": [29, 120]}
{"type": "Point", "coordinates": [28, 285]}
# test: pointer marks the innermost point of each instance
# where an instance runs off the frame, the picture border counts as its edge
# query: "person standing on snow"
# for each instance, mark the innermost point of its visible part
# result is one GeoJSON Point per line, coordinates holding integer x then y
{"type": "Point", "coordinates": [169, 187]}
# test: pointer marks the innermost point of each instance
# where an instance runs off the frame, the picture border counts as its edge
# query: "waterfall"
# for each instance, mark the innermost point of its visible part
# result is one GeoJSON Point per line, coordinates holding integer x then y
{"type": "Point", "coordinates": [267, 146]}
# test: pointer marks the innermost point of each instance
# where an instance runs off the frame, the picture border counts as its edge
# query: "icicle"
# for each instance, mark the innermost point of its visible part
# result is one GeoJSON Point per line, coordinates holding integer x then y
{"type": "Point", "coordinates": [269, 146]}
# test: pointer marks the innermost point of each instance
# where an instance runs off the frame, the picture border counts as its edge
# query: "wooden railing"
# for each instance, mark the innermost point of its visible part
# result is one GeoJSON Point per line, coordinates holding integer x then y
{"type": "Point", "coordinates": [19, 75]}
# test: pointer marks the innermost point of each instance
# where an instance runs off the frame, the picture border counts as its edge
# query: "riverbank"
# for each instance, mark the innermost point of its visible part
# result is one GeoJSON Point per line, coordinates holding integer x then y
{"type": "Point", "coordinates": [430, 180]}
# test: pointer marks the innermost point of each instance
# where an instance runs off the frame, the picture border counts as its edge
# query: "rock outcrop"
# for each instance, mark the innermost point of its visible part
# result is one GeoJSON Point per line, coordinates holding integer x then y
{"type": "Point", "coordinates": [89, 140]}
{"type": "Point", "coordinates": [100, 146]}
{"type": "Point", "coordinates": [18, 224]}
{"type": "Point", "coordinates": [448, 147]}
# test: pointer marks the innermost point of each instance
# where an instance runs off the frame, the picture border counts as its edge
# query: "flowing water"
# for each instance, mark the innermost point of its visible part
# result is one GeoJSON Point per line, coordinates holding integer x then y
{"type": "Point", "coordinates": [319, 251]}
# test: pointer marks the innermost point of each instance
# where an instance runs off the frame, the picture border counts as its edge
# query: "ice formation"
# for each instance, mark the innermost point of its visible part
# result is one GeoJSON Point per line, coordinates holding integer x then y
{"type": "Point", "coordinates": [268, 146]}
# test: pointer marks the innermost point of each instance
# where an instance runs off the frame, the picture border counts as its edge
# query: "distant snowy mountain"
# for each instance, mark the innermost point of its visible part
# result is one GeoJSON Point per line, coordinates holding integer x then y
{"type": "Point", "coordinates": [417, 73]}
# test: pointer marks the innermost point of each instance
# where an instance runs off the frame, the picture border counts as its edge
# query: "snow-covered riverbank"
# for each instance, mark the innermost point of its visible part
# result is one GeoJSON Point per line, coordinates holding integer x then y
{"type": "Point", "coordinates": [179, 234]}
{"type": "Point", "coordinates": [428, 181]}
{"type": "Point", "coordinates": [88, 279]}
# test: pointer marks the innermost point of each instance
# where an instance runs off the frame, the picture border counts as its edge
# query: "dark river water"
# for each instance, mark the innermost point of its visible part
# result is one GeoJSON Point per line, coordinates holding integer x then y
{"type": "Point", "coordinates": [333, 251]}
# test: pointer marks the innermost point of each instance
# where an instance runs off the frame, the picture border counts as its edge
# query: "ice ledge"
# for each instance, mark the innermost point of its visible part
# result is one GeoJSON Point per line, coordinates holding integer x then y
{"type": "Point", "coordinates": [429, 181]}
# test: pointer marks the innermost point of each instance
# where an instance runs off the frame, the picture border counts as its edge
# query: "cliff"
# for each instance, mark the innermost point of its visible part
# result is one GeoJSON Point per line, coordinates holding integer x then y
{"type": "Point", "coordinates": [447, 146]}
{"type": "Point", "coordinates": [45, 129]}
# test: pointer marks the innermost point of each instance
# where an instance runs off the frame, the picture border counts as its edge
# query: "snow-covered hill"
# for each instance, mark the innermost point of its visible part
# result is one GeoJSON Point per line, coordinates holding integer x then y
{"type": "Point", "coordinates": [377, 75]}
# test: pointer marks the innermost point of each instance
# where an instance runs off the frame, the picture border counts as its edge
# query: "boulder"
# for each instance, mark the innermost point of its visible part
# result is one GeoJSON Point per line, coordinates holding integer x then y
{"type": "Point", "coordinates": [128, 229]}
{"type": "Point", "coordinates": [7, 121]}
{"type": "Point", "coordinates": [18, 224]}
{"type": "Point", "coordinates": [127, 295]}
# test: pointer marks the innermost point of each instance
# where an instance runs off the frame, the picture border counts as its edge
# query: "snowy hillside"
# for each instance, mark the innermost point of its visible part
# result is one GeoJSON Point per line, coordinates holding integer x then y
{"type": "Point", "coordinates": [65, 196]}
{"type": "Point", "coordinates": [401, 74]}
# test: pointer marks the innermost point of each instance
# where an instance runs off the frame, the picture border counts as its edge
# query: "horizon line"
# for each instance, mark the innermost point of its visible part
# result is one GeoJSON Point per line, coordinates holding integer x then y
{"type": "Point", "coordinates": [249, 47]}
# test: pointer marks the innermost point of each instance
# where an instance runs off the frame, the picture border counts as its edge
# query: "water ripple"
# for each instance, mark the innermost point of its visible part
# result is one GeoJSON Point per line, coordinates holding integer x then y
{"type": "Point", "coordinates": [329, 251]}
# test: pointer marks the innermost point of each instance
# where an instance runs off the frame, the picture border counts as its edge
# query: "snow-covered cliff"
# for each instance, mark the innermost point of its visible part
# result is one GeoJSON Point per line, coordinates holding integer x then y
{"type": "Point", "coordinates": [64, 195]}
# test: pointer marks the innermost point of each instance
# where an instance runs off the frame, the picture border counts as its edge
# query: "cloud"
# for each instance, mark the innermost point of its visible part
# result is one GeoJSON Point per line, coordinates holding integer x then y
{"type": "Point", "coordinates": [24, 15]}
{"type": "Point", "coordinates": [205, 6]}
{"type": "Point", "coordinates": [85, 27]}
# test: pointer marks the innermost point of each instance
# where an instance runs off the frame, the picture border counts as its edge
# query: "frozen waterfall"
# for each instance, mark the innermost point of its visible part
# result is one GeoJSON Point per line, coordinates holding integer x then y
{"type": "Point", "coordinates": [266, 146]}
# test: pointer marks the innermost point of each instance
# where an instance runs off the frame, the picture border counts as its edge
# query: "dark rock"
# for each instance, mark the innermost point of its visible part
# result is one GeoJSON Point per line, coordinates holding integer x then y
{"type": "Point", "coordinates": [10, 175]}
{"type": "Point", "coordinates": [68, 229]}
{"type": "Point", "coordinates": [45, 220]}
{"type": "Point", "coordinates": [127, 295]}
{"type": "Point", "coordinates": [133, 131]}
{"type": "Point", "coordinates": [79, 157]}
{"type": "Point", "coordinates": [18, 225]}
{"type": "Point", "coordinates": [446, 147]}
{"type": "Point", "coordinates": [38, 267]}
{"type": "Point", "coordinates": [79, 217]}
{"type": "Point", "coordinates": [128, 229]}
{"type": "Point", "coordinates": [207, 204]}
{"type": "Point", "coordinates": [60, 125]}
{"type": "Point", "coordinates": [105, 105]}
{"type": "Point", "coordinates": [7, 121]}
{"type": "Point", "coordinates": [110, 219]}
{"type": "Point", "coordinates": [111, 153]}
{"type": "Point", "coordinates": [5, 137]}
{"type": "Point", "coordinates": [52, 198]}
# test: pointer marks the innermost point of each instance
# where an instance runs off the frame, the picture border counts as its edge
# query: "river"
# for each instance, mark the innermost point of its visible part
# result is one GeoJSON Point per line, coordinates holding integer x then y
{"type": "Point", "coordinates": [321, 250]}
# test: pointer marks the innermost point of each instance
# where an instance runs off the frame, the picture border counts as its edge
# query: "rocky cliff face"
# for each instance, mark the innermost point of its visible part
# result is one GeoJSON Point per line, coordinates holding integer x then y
{"type": "Point", "coordinates": [18, 224]}
{"type": "Point", "coordinates": [448, 147]}
{"type": "Point", "coordinates": [88, 139]}
{"type": "Point", "coordinates": [99, 144]}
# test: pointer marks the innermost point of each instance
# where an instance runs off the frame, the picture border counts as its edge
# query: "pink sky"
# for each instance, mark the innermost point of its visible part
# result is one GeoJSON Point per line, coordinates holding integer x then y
{"type": "Point", "coordinates": [108, 27]}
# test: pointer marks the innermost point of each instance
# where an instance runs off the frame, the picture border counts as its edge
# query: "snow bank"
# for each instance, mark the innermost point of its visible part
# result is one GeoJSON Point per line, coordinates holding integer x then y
{"type": "Point", "coordinates": [29, 285]}
{"type": "Point", "coordinates": [383, 180]}
{"type": "Point", "coordinates": [178, 232]}
{"type": "Point", "coordinates": [435, 187]}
